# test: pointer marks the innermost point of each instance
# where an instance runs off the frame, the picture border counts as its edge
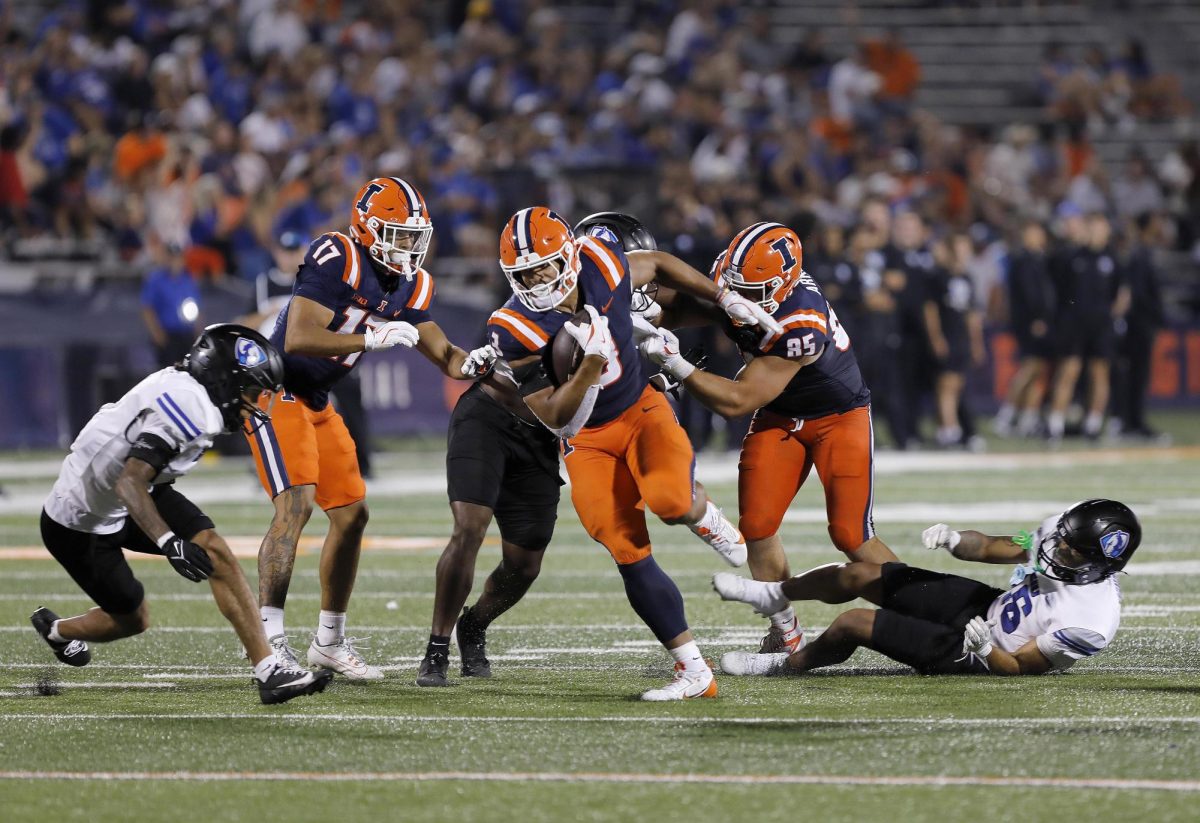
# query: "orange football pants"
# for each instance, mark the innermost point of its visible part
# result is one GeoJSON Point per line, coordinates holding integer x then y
{"type": "Point", "coordinates": [301, 447]}
{"type": "Point", "coordinates": [642, 458]}
{"type": "Point", "coordinates": [779, 452]}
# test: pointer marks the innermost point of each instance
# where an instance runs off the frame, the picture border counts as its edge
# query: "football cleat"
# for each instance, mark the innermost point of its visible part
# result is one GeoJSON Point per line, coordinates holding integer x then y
{"type": "Point", "coordinates": [472, 646]}
{"type": "Point", "coordinates": [773, 642]}
{"type": "Point", "coordinates": [285, 682]}
{"type": "Point", "coordinates": [433, 669]}
{"type": "Point", "coordinates": [750, 663]}
{"type": "Point", "coordinates": [716, 530]}
{"type": "Point", "coordinates": [764, 598]}
{"type": "Point", "coordinates": [342, 658]}
{"type": "Point", "coordinates": [71, 652]}
{"type": "Point", "coordinates": [686, 685]}
{"type": "Point", "coordinates": [284, 651]}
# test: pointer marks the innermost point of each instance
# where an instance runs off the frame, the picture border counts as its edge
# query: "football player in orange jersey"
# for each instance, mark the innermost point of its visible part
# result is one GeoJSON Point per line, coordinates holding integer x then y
{"type": "Point", "coordinates": [623, 447]}
{"type": "Point", "coordinates": [356, 292]}
{"type": "Point", "coordinates": [811, 409]}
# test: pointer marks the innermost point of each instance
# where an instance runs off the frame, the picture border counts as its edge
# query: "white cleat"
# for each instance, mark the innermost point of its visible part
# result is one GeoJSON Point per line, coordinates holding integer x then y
{"type": "Point", "coordinates": [284, 652]}
{"type": "Point", "coordinates": [342, 658]}
{"type": "Point", "coordinates": [750, 663]}
{"type": "Point", "coordinates": [685, 686]}
{"type": "Point", "coordinates": [716, 530]}
{"type": "Point", "coordinates": [765, 598]}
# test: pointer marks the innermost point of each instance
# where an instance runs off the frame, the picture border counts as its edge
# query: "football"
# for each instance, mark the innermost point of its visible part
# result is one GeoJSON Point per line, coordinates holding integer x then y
{"type": "Point", "coordinates": [565, 353]}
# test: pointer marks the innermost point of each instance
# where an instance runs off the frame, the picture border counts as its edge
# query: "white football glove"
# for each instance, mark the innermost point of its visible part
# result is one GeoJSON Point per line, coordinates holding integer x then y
{"type": "Point", "coordinates": [977, 638]}
{"type": "Point", "coordinates": [940, 536]}
{"type": "Point", "coordinates": [480, 361]}
{"type": "Point", "coordinates": [663, 350]}
{"type": "Point", "coordinates": [643, 329]}
{"type": "Point", "coordinates": [747, 312]}
{"type": "Point", "coordinates": [388, 335]}
{"type": "Point", "coordinates": [593, 337]}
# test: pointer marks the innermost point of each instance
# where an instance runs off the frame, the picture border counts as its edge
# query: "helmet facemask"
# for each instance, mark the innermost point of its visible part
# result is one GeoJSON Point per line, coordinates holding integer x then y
{"type": "Point", "coordinates": [1059, 560]}
{"type": "Point", "coordinates": [763, 292]}
{"type": "Point", "coordinates": [544, 296]}
{"type": "Point", "coordinates": [400, 247]}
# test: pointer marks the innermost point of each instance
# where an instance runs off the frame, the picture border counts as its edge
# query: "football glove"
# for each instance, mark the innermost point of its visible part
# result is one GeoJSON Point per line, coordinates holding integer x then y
{"type": "Point", "coordinates": [190, 560]}
{"type": "Point", "coordinates": [664, 383]}
{"type": "Point", "coordinates": [940, 536]}
{"type": "Point", "coordinates": [592, 337]}
{"type": "Point", "coordinates": [643, 329]}
{"type": "Point", "coordinates": [977, 638]}
{"type": "Point", "coordinates": [747, 312]}
{"type": "Point", "coordinates": [388, 335]}
{"type": "Point", "coordinates": [480, 361]}
{"type": "Point", "coordinates": [663, 350]}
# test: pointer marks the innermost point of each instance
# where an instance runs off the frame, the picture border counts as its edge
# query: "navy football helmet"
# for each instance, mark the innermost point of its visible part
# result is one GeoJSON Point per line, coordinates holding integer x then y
{"type": "Point", "coordinates": [235, 365]}
{"type": "Point", "coordinates": [1094, 539]}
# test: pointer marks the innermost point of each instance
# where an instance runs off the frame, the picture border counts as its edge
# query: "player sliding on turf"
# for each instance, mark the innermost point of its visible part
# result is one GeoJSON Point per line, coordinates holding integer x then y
{"type": "Point", "coordinates": [116, 490]}
{"type": "Point", "coordinates": [1062, 604]}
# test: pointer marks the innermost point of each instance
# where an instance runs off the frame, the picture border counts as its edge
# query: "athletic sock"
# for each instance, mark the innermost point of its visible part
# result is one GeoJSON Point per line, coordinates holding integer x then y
{"type": "Point", "coordinates": [1055, 424]}
{"type": "Point", "coordinates": [786, 622]}
{"type": "Point", "coordinates": [1093, 423]}
{"type": "Point", "coordinates": [438, 644]}
{"type": "Point", "coordinates": [1028, 422]}
{"type": "Point", "coordinates": [331, 627]}
{"type": "Point", "coordinates": [689, 656]}
{"type": "Point", "coordinates": [709, 521]}
{"type": "Point", "coordinates": [272, 619]}
{"type": "Point", "coordinates": [1005, 415]}
{"type": "Point", "coordinates": [54, 635]}
{"type": "Point", "coordinates": [264, 667]}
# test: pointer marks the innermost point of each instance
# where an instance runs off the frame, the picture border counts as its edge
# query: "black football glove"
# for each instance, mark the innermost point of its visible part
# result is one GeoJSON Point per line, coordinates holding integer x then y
{"type": "Point", "coordinates": [189, 560]}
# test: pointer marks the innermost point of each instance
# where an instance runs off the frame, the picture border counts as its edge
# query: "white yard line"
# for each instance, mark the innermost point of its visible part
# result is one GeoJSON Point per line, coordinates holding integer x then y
{"type": "Point", "coordinates": [626, 778]}
{"type": "Point", "coordinates": [98, 684]}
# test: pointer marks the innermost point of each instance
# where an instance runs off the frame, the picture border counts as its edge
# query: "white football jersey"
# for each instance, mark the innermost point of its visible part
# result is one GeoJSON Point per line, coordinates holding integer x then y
{"type": "Point", "coordinates": [1068, 622]}
{"type": "Point", "coordinates": [169, 404]}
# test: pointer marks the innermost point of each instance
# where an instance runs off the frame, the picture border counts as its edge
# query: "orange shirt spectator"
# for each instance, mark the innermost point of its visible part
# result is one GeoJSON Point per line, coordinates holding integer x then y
{"type": "Point", "coordinates": [897, 66]}
{"type": "Point", "coordinates": [137, 151]}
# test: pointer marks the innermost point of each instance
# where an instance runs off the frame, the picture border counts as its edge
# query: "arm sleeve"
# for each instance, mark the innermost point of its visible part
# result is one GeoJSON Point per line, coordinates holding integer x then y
{"type": "Point", "coordinates": [153, 450]}
{"type": "Point", "coordinates": [580, 418]}
{"type": "Point", "coordinates": [1063, 647]}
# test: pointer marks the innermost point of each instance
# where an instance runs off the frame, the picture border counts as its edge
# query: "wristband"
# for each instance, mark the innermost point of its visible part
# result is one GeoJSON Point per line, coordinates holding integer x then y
{"type": "Point", "coordinates": [166, 538]}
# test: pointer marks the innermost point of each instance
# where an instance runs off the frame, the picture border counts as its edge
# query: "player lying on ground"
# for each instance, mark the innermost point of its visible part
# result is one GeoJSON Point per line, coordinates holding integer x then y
{"type": "Point", "coordinates": [115, 491]}
{"type": "Point", "coordinates": [1062, 604]}
{"type": "Point", "coordinates": [361, 291]}
{"type": "Point", "coordinates": [811, 407]}
{"type": "Point", "coordinates": [502, 462]}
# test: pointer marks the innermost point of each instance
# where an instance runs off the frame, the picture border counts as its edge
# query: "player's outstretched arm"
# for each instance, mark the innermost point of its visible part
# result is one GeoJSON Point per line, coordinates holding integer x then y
{"type": "Point", "coordinates": [670, 271]}
{"type": "Point", "coordinates": [974, 546]}
{"type": "Point", "coordinates": [760, 382]}
{"type": "Point", "coordinates": [448, 357]}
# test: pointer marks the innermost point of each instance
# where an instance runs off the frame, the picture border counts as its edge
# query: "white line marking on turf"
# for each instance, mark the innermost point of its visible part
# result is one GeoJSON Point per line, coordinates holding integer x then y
{"type": "Point", "coordinates": [968, 722]}
{"type": "Point", "coordinates": [99, 684]}
{"type": "Point", "coordinates": [618, 777]}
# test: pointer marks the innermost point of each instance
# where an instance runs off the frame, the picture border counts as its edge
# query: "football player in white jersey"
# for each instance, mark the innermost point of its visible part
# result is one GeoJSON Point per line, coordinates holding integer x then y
{"type": "Point", "coordinates": [1063, 602]}
{"type": "Point", "coordinates": [115, 491]}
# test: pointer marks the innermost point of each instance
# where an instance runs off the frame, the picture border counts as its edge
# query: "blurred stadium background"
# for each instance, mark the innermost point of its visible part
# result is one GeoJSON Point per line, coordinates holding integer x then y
{"type": "Point", "coordinates": [146, 138]}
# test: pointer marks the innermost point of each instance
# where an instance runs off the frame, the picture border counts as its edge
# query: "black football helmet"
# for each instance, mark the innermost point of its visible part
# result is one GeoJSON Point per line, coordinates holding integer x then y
{"type": "Point", "coordinates": [1094, 539]}
{"type": "Point", "coordinates": [235, 364]}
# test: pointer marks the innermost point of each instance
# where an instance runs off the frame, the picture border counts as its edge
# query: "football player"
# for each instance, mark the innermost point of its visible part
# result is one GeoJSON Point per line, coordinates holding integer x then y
{"type": "Point", "coordinates": [356, 292]}
{"type": "Point", "coordinates": [623, 445]}
{"type": "Point", "coordinates": [116, 490]}
{"type": "Point", "coordinates": [1063, 603]}
{"type": "Point", "coordinates": [502, 462]}
{"type": "Point", "coordinates": [811, 409]}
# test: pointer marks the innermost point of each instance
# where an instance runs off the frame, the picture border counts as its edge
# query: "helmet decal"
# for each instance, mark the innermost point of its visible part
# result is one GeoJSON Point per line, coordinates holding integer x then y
{"type": "Point", "coordinates": [248, 352]}
{"type": "Point", "coordinates": [1114, 543]}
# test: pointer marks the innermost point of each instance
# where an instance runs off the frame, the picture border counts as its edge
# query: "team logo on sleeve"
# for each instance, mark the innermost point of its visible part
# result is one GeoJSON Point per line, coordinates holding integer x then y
{"type": "Point", "coordinates": [1114, 543]}
{"type": "Point", "coordinates": [249, 353]}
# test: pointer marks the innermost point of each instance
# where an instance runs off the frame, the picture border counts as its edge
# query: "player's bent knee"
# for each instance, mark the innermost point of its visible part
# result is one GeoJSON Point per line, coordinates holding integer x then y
{"type": "Point", "coordinates": [293, 507]}
{"type": "Point", "coordinates": [854, 625]}
{"type": "Point", "coordinates": [756, 527]}
{"type": "Point", "coordinates": [133, 623]}
{"type": "Point", "coordinates": [467, 537]}
{"type": "Point", "coordinates": [670, 508]}
{"type": "Point", "coordinates": [844, 538]}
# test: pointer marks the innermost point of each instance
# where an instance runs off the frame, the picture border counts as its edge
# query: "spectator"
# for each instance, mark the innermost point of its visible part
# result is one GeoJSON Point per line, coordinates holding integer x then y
{"type": "Point", "coordinates": [1031, 304]}
{"type": "Point", "coordinates": [852, 90]}
{"type": "Point", "coordinates": [954, 327]}
{"type": "Point", "coordinates": [170, 304]}
{"type": "Point", "coordinates": [1136, 192]}
{"type": "Point", "coordinates": [898, 70]}
{"type": "Point", "coordinates": [1137, 332]}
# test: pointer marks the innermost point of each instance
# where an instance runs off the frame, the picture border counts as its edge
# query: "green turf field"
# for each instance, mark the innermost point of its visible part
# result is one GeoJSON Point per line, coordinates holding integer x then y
{"type": "Point", "coordinates": [166, 726]}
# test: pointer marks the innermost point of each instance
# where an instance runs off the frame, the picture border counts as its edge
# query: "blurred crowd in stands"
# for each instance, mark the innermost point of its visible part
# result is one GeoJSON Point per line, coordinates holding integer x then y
{"type": "Point", "coordinates": [196, 134]}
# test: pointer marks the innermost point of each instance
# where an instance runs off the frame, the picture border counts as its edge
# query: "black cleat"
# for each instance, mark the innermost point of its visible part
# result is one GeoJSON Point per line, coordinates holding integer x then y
{"type": "Point", "coordinates": [472, 646]}
{"type": "Point", "coordinates": [433, 669]}
{"type": "Point", "coordinates": [71, 652]}
{"type": "Point", "coordinates": [286, 682]}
